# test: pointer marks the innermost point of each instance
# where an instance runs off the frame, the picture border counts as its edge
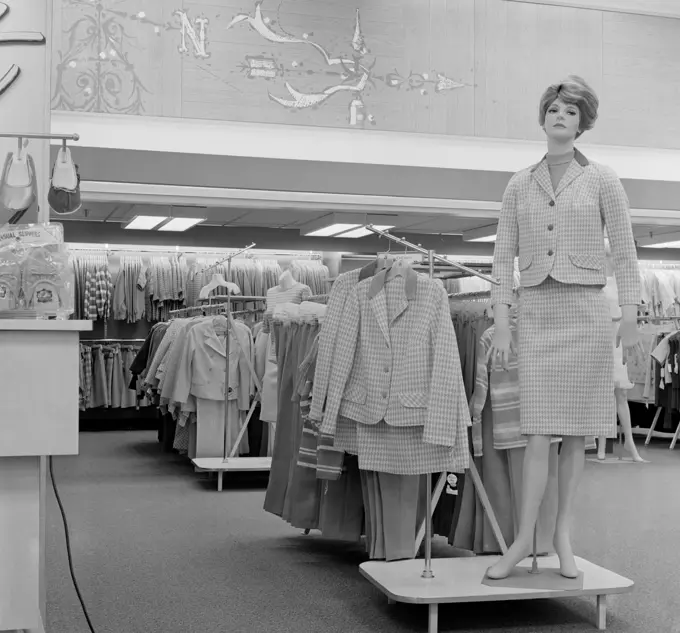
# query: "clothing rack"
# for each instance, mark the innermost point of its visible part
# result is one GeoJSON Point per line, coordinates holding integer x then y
{"type": "Point", "coordinates": [425, 531]}
{"type": "Point", "coordinates": [655, 318]}
{"type": "Point", "coordinates": [432, 256]}
{"type": "Point", "coordinates": [227, 298]}
{"type": "Point", "coordinates": [112, 340]}
{"type": "Point", "coordinates": [228, 258]}
{"type": "Point", "coordinates": [229, 461]}
{"type": "Point", "coordinates": [470, 296]}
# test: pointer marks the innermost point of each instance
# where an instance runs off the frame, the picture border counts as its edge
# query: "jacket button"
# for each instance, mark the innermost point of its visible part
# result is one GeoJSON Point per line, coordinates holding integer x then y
{"type": "Point", "coordinates": [550, 227]}
{"type": "Point", "coordinates": [552, 203]}
{"type": "Point", "coordinates": [387, 370]}
{"type": "Point", "coordinates": [550, 253]}
{"type": "Point", "coordinates": [384, 394]}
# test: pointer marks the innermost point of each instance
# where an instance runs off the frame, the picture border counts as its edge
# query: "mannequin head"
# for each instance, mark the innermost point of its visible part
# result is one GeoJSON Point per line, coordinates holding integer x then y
{"type": "Point", "coordinates": [568, 109]}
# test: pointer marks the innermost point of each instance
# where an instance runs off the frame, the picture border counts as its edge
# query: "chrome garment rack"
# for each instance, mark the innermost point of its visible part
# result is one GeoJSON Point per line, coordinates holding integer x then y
{"type": "Point", "coordinates": [228, 258]}
{"type": "Point", "coordinates": [470, 296]}
{"type": "Point", "coordinates": [112, 340]}
{"type": "Point", "coordinates": [432, 256]}
{"type": "Point", "coordinates": [425, 531]}
{"type": "Point", "coordinates": [229, 461]}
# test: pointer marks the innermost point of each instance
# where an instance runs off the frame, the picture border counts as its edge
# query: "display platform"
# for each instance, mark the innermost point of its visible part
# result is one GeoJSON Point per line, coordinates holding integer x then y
{"type": "Point", "coordinates": [460, 580]}
{"type": "Point", "coordinates": [233, 464]}
{"type": "Point", "coordinates": [615, 460]}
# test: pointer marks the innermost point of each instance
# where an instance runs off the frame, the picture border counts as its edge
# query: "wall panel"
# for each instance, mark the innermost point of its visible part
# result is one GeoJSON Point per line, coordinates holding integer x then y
{"type": "Point", "coordinates": [450, 67]}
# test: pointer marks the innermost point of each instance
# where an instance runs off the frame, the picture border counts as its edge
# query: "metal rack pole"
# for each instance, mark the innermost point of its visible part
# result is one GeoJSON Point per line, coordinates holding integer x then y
{"type": "Point", "coordinates": [427, 572]}
{"type": "Point", "coordinates": [227, 413]}
{"type": "Point", "coordinates": [46, 137]}
{"type": "Point", "coordinates": [228, 258]}
{"type": "Point", "coordinates": [433, 255]}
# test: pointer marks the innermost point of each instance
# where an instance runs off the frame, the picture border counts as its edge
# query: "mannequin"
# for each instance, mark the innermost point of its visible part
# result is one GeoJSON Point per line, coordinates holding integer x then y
{"type": "Point", "coordinates": [286, 280]}
{"type": "Point", "coordinates": [621, 381]}
{"type": "Point", "coordinates": [552, 214]}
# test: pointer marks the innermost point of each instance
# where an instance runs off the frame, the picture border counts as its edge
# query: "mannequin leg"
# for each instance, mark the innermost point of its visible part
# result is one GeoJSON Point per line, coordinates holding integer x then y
{"type": "Point", "coordinates": [572, 460]}
{"type": "Point", "coordinates": [601, 447]}
{"type": "Point", "coordinates": [624, 417]}
{"type": "Point", "coordinates": [534, 481]}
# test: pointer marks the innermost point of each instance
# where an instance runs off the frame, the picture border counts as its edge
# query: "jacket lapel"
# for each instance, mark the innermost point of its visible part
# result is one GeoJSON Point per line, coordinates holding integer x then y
{"type": "Point", "coordinates": [213, 341]}
{"type": "Point", "coordinates": [378, 303]}
{"type": "Point", "coordinates": [542, 176]}
{"type": "Point", "coordinates": [573, 172]}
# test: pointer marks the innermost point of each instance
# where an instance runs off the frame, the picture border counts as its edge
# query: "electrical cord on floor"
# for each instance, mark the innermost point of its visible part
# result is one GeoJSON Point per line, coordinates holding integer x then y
{"type": "Point", "coordinates": [68, 547]}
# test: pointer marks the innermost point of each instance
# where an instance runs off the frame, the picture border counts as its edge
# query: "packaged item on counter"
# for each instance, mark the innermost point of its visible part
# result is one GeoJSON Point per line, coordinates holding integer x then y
{"type": "Point", "coordinates": [47, 281]}
{"type": "Point", "coordinates": [10, 279]}
{"type": "Point", "coordinates": [35, 274]}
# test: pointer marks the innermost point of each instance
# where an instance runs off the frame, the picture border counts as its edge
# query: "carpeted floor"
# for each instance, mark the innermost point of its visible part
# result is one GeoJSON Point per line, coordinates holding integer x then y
{"type": "Point", "coordinates": [158, 550]}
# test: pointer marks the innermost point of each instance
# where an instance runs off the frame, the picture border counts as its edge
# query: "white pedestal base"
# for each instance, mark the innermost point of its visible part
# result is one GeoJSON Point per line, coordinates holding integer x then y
{"type": "Point", "coordinates": [460, 580]}
{"type": "Point", "coordinates": [233, 464]}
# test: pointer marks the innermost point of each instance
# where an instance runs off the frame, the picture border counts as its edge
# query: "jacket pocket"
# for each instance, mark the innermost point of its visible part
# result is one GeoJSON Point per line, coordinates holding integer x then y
{"type": "Point", "coordinates": [524, 261]}
{"type": "Point", "coordinates": [587, 260]}
{"type": "Point", "coordinates": [355, 394]}
{"type": "Point", "coordinates": [414, 400]}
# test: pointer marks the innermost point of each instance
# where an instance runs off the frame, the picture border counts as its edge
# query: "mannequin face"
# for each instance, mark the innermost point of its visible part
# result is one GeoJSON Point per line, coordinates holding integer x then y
{"type": "Point", "coordinates": [562, 121]}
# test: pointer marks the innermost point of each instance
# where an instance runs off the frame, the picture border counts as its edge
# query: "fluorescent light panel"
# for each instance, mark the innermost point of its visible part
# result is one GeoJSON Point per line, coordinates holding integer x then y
{"type": "Point", "coordinates": [145, 222]}
{"type": "Point", "coordinates": [362, 231]}
{"type": "Point", "coordinates": [487, 238]}
{"type": "Point", "coordinates": [675, 244]}
{"type": "Point", "coordinates": [180, 224]}
{"type": "Point", "coordinates": [333, 229]}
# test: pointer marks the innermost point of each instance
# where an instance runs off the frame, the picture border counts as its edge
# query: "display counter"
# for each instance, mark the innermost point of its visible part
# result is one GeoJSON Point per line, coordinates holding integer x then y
{"type": "Point", "coordinates": [39, 380]}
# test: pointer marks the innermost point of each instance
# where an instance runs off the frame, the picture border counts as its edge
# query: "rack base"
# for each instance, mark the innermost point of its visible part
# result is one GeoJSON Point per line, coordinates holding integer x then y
{"type": "Point", "coordinates": [233, 464]}
{"type": "Point", "coordinates": [460, 580]}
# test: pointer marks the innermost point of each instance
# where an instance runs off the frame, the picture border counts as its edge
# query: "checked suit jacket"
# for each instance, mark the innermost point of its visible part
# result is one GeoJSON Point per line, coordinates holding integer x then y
{"type": "Point", "coordinates": [396, 359]}
{"type": "Point", "coordinates": [561, 233]}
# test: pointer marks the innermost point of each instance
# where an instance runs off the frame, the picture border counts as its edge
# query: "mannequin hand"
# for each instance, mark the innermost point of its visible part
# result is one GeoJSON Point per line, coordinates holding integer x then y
{"type": "Point", "coordinates": [500, 349]}
{"type": "Point", "coordinates": [629, 338]}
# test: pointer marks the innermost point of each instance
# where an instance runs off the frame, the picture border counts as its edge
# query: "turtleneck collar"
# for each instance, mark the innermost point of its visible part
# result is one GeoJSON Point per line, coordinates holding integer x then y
{"type": "Point", "coordinates": [558, 159]}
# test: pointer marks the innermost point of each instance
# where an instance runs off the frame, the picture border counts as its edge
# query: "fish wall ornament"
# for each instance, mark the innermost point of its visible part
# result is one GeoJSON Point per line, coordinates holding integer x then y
{"type": "Point", "coordinates": [353, 75]}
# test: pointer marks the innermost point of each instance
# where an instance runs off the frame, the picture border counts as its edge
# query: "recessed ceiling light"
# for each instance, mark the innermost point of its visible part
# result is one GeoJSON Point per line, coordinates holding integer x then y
{"type": "Point", "coordinates": [180, 224]}
{"type": "Point", "coordinates": [145, 222]}
{"type": "Point", "coordinates": [333, 229]}
{"type": "Point", "coordinates": [362, 231]}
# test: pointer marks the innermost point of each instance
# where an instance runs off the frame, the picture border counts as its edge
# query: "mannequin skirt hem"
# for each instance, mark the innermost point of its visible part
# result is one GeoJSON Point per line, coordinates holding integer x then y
{"type": "Point", "coordinates": [565, 361]}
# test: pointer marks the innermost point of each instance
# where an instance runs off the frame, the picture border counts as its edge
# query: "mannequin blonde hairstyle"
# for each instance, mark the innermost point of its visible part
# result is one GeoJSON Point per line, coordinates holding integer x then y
{"type": "Point", "coordinates": [575, 91]}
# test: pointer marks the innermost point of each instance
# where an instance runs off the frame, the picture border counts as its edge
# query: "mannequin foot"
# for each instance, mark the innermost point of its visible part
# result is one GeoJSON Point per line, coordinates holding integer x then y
{"type": "Point", "coordinates": [600, 454]}
{"type": "Point", "coordinates": [502, 568]}
{"type": "Point", "coordinates": [630, 448]}
{"type": "Point", "coordinates": [567, 562]}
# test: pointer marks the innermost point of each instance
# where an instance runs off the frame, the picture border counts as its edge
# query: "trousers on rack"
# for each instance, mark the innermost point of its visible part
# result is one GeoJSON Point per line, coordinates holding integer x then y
{"type": "Point", "coordinates": [394, 507]}
{"type": "Point", "coordinates": [285, 445]}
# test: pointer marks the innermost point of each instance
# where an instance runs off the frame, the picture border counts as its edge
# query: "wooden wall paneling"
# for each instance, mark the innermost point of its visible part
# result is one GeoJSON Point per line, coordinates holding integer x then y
{"type": "Point", "coordinates": [452, 52]}
{"type": "Point", "coordinates": [416, 58]}
{"type": "Point", "coordinates": [492, 68]}
{"type": "Point", "coordinates": [331, 25]}
{"type": "Point", "coordinates": [108, 56]}
{"type": "Point", "coordinates": [641, 71]}
{"type": "Point", "coordinates": [396, 49]}
{"type": "Point", "coordinates": [520, 49]}
{"type": "Point", "coordinates": [667, 8]}
{"type": "Point", "coordinates": [167, 61]}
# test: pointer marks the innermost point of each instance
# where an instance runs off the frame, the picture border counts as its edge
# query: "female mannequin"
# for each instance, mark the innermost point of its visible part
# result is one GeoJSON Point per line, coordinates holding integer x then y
{"type": "Point", "coordinates": [621, 380]}
{"type": "Point", "coordinates": [552, 214]}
